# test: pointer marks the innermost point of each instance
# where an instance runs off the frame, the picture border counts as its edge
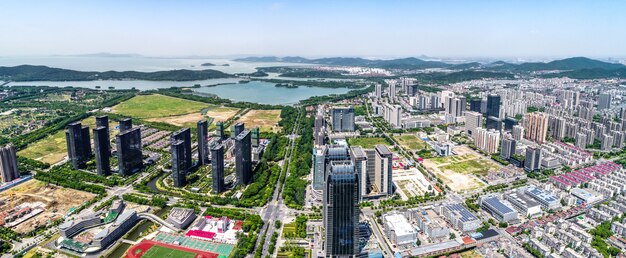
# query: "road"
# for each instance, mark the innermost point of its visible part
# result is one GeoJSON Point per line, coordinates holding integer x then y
{"type": "Point", "coordinates": [380, 236]}
{"type": "Point", "coordinates": [276, 209]}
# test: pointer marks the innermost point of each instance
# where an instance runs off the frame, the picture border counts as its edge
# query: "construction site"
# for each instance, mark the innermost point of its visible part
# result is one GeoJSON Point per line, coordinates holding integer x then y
{"type": "Point", "coordinates": [35, 203]}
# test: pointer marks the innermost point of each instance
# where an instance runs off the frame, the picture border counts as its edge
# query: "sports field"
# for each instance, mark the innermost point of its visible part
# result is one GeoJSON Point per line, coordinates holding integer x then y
{"type": "Point", "coordinates": [411, 142]}
{"type": "Point", "coordinates": [152, 249]}
{"type": "Point", "coordinates": [155, 106]}
{"type": "Point", "coordinates": [266, 120]}
{"type": "Point", "coordinates": [222, 249]}
{"type": "Point", "coordinates": [158, 251]}
{"type": "Point", "coordinates": [367, 142]}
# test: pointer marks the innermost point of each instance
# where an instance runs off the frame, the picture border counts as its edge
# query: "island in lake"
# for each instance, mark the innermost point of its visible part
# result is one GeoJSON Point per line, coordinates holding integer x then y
{"type": "Point", "coordinates": [212, 64]}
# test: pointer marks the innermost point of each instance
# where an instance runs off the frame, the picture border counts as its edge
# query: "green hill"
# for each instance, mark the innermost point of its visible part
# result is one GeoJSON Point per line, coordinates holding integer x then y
{"type": "Point", "coordinates": [45, 73]}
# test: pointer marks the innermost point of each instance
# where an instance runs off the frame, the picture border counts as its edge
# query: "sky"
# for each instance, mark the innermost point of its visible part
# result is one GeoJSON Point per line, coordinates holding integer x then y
{"type": "Point", "coordinates": [380, 29]}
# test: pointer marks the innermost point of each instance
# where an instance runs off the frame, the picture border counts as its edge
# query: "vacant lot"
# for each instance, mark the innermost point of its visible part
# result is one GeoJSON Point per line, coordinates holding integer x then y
{"type": "Point", "coordinates": [460, 171]}
{"type": "Point", "coordinates": [53, 148]}
{"type": "Point", "coordinates": [156, 106]}
{"type": "Point", "coordinates": [367, 143]}
{"type": "Point", "coordinates": [411, 142]}
{"type": "Point", "coordinates": [221, 113]}
{"type": "Point", "coordinates": [56, 200]}
{"type": "Point", "coordinates": [267, 120]}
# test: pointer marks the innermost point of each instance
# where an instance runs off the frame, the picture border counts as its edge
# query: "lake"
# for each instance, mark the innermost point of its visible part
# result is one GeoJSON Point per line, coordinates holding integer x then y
{"type": "Point", "coordinates": [255, 91]}
{"type": "Point", "coordinates": [267, 93]}
{"type": "Point", "coordinates": [136, 63]}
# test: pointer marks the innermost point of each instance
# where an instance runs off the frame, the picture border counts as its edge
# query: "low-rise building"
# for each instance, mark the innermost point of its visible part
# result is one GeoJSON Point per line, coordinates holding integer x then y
{"type": "Point", "coordinates": [398, 229]}
{"type": "Point", "coordinates": [460, 217]}
{"type": "Point", "coordinates": [547, 200]}
{"type": "Point", "coordinates": [181, 217]}
{"type": "Point", "coordinates": [523, 204]}
{"type": "Point", "coordinates": [498, 209]}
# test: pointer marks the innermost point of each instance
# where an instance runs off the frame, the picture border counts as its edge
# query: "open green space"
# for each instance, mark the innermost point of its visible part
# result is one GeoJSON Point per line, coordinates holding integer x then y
{"type": "Point", "coordinates": [53, 148]}
{"type": "Point", "coordinates": [154, 106]}
{"type": "Point", "coordinates": [473, 166]}
{"type": "Point", "coordinates": [367, 142]}
{"type": "Point", "coordinates": [411, 142]}
{"type": "Point", "coordinates": [163, 252]}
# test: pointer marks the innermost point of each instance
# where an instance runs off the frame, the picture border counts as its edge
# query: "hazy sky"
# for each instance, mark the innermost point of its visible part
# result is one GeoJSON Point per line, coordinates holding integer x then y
{"type": "Point", "coordinates": [316, 28]}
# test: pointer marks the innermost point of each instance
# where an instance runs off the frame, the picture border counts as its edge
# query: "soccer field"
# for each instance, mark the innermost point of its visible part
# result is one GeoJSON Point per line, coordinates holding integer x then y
{"type": "Point", "coordinates": [158, 251]}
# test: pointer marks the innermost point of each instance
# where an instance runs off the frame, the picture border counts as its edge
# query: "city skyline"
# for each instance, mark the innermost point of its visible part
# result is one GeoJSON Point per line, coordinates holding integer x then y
{"type": "Point", "coordinates": [370, 29]}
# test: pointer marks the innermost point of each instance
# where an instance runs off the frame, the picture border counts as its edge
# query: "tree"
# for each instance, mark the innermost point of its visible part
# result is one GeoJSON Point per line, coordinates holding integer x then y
{"type": "Point", "coordinates": [452, 236]}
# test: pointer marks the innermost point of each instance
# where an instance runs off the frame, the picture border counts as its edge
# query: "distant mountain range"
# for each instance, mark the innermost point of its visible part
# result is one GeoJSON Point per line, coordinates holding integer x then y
{"type": "Point", "coordinates": [568, 64]}
{"type": "Point", "coordinates": [45, 73]}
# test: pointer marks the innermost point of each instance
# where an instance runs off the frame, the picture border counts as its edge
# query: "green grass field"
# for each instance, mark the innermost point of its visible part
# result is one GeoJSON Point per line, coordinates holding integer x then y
{"type": "Point", "coordinates": [411, 142]}
{"type": "Point", "coordinates": [474, 166]}
{"type": "Point", "coordinates": [154, 106]}
{"type": "Point", "coordinates": [163, 252]}
{"type": "Point", "coordinates": [367, 143]}
{"type": "Point", "coordinates": [53, 148]}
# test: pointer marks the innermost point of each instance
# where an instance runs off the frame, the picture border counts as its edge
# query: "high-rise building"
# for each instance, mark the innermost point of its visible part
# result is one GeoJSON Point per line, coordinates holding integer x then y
{"type": "Point", "coordinates": [434, 101]}
{"type": "Point", "coordinates": [395, 116]}
{"type": "Point", "coordinates": [217, 164]}
{"type": "Point", "coordinates": [125, 124]}
{"type": "Point", "coordinates": [102, 121]}
{"type": "Point", "coordinates": [379, 91]}
{"type": "Point", "coordinates": [536, 127]}
{"type": "Point", "coordinates": [8, 164]}
{"type": "Point", "coordinates": [487, 140]}
{"type": "Point", "coordinates": [518, 132]}
{"type": "Point", "coordinates": [475, 105]}
{"type": "Point", "coordinates": [392, 91]}
{"type": "Point", "coordinates": [359, 159]}
{"type": "Point", "coordinates": [341, 210]}
{"type": "Point", "coordinates": [383, 169]}
{"type": "Point", "coordinates": [493, 105]}
{"type": "Point", "coordinates": [102, 148]}
{"type": "Point", "coordinates": [179, 172]}
{"type": "Point", "coordinates": [202, 132]}
{"type": "Point", "coordinates": [412, 90]}
{"type": "Point", "coordinates": [533, 158]}
{"type": "Point", "coordinates": [184, 135]}
{"type": "Point", "coordinates": [604, 101]}
{"type": "Point", "coordinates": [243, 157]}
{"type": "Point", "coordinates": [473, 120]}
{"type": "Point", "coordinates": [508, 148]}
{"type": "Point", "coordinates": [456, 106]}
{"type": "Point", "coordinates": [219, 128]}
{"type": "Point", "coordinates": [319, 167]}
{"type": "Point", "coordinates": [78, 144]}
{"type": "Point", "coordinates": [319, 132]}
{"type": "Point", "coordinates": [237, 129]}
{"type": "Point", "coordinates": [494, 123]}
{"type": "Point", "coordinates": [343, 119]}
{"type": "Point", "coordinates": [607, 142]}
{"type": "Point", "coordinates": [509, 122]}
{"type": "Point", "coordinates": [129, 155]}
{"type": "Point", "coordinates": [581, 140]}
{"type": "Point", "coordinates": [256, 137]}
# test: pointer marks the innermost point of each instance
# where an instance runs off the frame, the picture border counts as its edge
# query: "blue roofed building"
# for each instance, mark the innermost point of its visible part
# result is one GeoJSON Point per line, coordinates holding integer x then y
{"type": "Point", "coordinates": [498, 209]}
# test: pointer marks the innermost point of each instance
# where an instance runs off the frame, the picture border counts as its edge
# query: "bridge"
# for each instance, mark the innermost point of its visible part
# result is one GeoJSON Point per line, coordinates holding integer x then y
{"type": "Point", "coordinates": [157, 219]}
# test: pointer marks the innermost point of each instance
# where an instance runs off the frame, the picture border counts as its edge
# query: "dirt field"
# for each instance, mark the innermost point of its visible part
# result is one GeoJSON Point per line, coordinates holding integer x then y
{"type": "Point", "coordinates": [267, 120]}
{"type": "Point", "coordinates": [214, 113]}
{"type": "Point", "coordinates": [184, 120]}
{"type": "Point", "coordinates": [221, 113]}
{"type": "Point", "coordinates": [57, 201]}
{"type": "Point", "coordinates": [460, 171]}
